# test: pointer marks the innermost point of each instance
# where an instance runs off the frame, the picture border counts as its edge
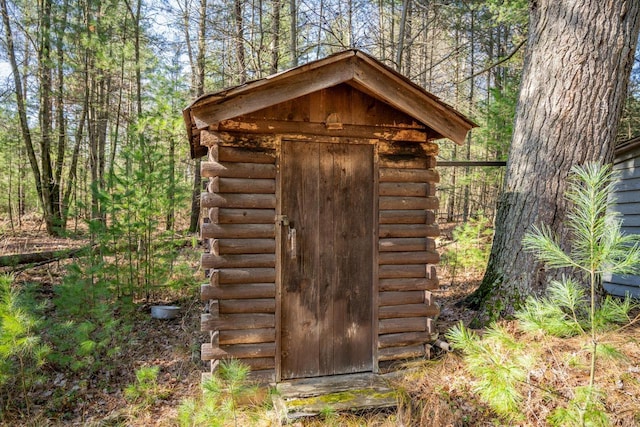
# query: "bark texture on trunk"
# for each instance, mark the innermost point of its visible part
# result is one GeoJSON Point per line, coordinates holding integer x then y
{"type": "Point", "coordinates": [579, 57]}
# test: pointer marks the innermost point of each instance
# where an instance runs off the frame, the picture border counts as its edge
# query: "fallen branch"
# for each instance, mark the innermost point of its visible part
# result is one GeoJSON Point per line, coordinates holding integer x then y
{"type": "Point", "coordinates": [42, 257]}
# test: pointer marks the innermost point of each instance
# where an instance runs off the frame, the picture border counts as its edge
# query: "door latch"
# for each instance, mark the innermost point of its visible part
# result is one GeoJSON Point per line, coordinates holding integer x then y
{"type": "Point", "coordinates": [283, 220]}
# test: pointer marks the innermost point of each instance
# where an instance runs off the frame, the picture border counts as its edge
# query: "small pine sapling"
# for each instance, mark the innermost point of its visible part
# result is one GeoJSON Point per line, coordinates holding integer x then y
{"type": "Point", "coordinates": [597, 247]}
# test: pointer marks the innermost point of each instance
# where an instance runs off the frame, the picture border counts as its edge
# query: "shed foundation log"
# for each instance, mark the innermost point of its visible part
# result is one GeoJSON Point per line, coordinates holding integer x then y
{"type": "Point", "coordinates": [265, 376]}
{"type": "Point", "coordinates": [408, 175]}
{"type": "Point", "coordinates": [237, 351]}
{"type": "Point", "coordinates": [262, 305]}
{"type": "Point", "coordinates": [407, 244]}
{"type": "Point", "coordinates": [243, 246]}
{"type": "Point", "coordinates": [241, 185]}
{"type": "Point", "coordinates": [408, 258]}
{"type": "Point", "coordinates": [238, 231]}
{"type": "Point", "coordinates": [242, 216]}
{"type": "Point", "coordinates": [393, 202]}
{"type": "Point", "coordinates": [237, 261]}
{"type": "Point", "coordinates": [405, 324]}
{"type": "Point", "coordinates": [409, 271]}
{"type": "Point", "coordinates": [243, 155]}
{"type": "Point", "coordinates": [423, 149]}
{"type": "Point", "coordinates": [398, 353]}
{"type": "Point", "coordinates": [408, 230]}
{"type": "Point", "coordinates": [233, 200]}
{"type": "Point", "coordinates": [408, 310]}
{"type": "Point", "coordinates": [403, 339]}
{"type": "Point", "coordinates": [400, 298]}
{"type": "Point", "coordinates": [404, 189]}
{"type": "Point", "coordinates": [242, 275]}
{"type": "Point", "coordinates": [402, 161]}
{"type": "Point", "coordinates": [232, 322]}
{"type": "Point", "coordinates": [408, 284]}
{"type": "Point", "coordinates": [401, 216]}
{"type": "Point", "coordinates": [250, 336]}
{"type": "Point", "coordinates": [245, 290]}
{"type": "Point", "coordinates": [238, 170]}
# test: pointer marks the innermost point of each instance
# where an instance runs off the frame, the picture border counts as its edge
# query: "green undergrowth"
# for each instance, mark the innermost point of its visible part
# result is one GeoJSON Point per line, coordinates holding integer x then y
{"type": "Point", "coordinates": [509, 365]}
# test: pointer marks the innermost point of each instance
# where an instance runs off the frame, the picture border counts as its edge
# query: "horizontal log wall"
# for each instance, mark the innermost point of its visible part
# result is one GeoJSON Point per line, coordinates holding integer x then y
{"type": "Point", "coordinates": [240, 202]}
{"type": "Point", "coordinates": [407, 250]}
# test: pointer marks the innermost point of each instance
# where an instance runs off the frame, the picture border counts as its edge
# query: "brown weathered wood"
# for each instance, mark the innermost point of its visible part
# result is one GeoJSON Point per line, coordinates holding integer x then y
{"type": "Point", "coordinates": [231, 322]}
{"type": "Point", "coordinates": [249, 336]}
{"type": "Point", "coordinates": [408, 258]}
{"type": "Point", "coordinates": [406, 217]}
{"type": "Point", "coordinates": [237, 351]}
{"type": "Point", "coordinates": [234, 306]}
{"type": "Point", "coordinates": [408, 230]}
{"type": "Point", "coordinates": [238, 261]}
{"type": "Point", "coordinates": [238, 170]}
{"type": "Point", "coordinates": [244, 290]}
{"type": "Point", "coordinates": [241, 185]}
{"type": "Point", "coordinates": [407, 244]}
{"type": "Point", "coordinates": [411, 100]}
{"type": "Point", "coordinates": [403, 339]}
{"type": "Point", "coordinates": [400, 298]}
{"type": "Point", "coordinates": [242, 216]}
{"type": "Point", "coordinates": [42, 256]}
{"type": "Point", "coordinates": [409, 175]}
{"type": "Point", "coordinates": [407, 149]}
{"type": "Point", "coordinates": [245, 246]}
{"type": "Point", "coordinates": [259, 364]}
{"type": "Point", "coordinates": [323, 182]}
{"type": "Point", "coordinates": [245, 275]}
{"type": "Point", "coordinates": [238, 231]}
{"type": "Point", "coordinates": [263, 376]}
{"type": "Point", "coordinates": [406, 162]}
{"type": "Point", "coordinates": [404, 189]}
{"type": "Point", "coordinates": [399, 353]}
{"type": "Point", "coordinates": [210, 139]}
{"type": "Point", "coordinates": [401, 271]}
{"type": "Point", "coordinates": [392, 202]}
{"type": "Point", "coordinates": [408, 284]}
{"type": "Point", "coordinates": [245, 155]}
{"type": "Point", "coordinates": [388, 133]}
{"type": "Point", "coordinates": [225, 200]}
{"type": "Point", "coordinates": [408, 310]}
{"type": "Point", "coordinates": [403, 324]}
{"type": "Point", "coordinates": [269, 92]}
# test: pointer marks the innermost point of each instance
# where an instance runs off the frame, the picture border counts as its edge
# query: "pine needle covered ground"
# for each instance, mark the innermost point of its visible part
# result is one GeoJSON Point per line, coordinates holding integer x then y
{"type": "Point", "coordinates": [440, 392]}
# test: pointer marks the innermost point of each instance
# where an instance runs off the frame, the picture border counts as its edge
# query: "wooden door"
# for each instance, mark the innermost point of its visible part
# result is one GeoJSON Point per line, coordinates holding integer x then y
{"type": "Point", "coordinates": [327, 259]}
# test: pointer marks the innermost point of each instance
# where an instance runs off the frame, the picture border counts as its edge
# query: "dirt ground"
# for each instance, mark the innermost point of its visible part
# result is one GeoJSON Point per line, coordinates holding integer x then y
{"type": "Point", "coordinates": [442, 394]}
{"type": "Point", "coordinates": [173, 345]}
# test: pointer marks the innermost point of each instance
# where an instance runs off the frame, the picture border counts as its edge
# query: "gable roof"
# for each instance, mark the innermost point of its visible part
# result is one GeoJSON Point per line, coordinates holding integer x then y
{"type": "Point", "coordinates": [353, 67]}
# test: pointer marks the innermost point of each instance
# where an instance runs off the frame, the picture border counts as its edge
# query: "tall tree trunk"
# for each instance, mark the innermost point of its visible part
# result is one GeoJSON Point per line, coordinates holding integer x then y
{"type": "Point", "coordinates": [293, 32]}
{"type": "Point", "coordinates": [402, 33]}
{"type": "Point", "coordinates": [199, 90]}
{"type": "Point", "coordinates": [43, 177]}
{"type": "Point", "coordinates": [239, 41]}
{"type": "Point", "coordinates": [60, 116]}
{"type": "Point", "coordinates": [275, 30]}
{"type": "Point", "coordinates": [577, 65]}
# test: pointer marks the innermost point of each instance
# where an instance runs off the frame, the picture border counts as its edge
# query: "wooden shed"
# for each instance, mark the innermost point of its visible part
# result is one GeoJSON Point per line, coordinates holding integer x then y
{"type": "Point", "coordinates": [321, 226]}
{"type": "Point", "coordinates": [627, 193]}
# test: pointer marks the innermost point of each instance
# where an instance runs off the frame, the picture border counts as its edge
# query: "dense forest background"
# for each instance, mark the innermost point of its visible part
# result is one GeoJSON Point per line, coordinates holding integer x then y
{"type": "Point", "coordinates": [91, 92]}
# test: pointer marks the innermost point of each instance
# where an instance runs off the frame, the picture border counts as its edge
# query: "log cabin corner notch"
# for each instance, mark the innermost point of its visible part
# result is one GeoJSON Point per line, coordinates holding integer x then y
{"type": "Point", "coordinates": [321, 226]}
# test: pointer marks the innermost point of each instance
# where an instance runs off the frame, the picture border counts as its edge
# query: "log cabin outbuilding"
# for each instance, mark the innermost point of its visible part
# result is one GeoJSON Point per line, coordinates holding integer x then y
{"type": "Point", "coordinates": [321, 226]}
{"type": "Point", "coordinates": [627, 193]}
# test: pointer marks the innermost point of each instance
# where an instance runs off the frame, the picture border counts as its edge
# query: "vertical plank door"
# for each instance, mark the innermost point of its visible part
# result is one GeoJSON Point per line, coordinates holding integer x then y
{"type": "Point", "coordinates": [327, 258]}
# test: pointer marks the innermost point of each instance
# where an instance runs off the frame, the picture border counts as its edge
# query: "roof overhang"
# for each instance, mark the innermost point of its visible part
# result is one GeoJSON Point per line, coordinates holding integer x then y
{"type": "Point", "coordinates": [352, 67]}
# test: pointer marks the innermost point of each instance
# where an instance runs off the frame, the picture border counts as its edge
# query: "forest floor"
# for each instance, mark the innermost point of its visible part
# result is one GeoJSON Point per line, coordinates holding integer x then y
{"type": "Point", "coordinates": [439, 393]}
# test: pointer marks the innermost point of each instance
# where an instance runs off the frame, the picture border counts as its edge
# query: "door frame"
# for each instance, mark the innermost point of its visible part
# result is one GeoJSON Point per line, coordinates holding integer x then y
{"type": "Point", "coordinates": [280, 139]}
